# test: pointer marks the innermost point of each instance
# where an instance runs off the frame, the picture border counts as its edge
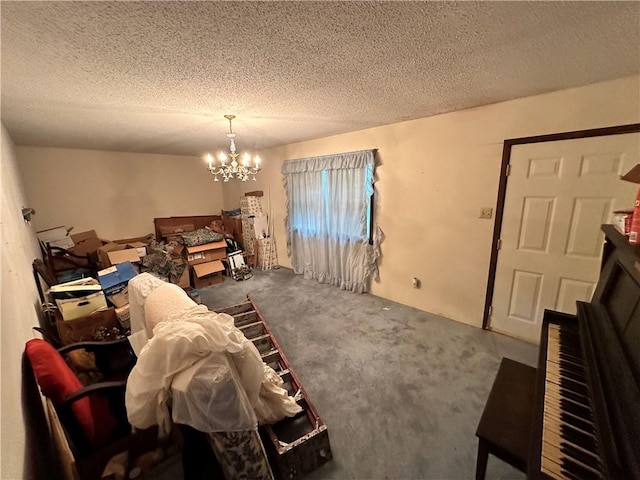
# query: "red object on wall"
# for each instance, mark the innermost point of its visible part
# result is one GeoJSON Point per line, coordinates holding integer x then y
{"type": "Point", "coordinates": [634, 234]}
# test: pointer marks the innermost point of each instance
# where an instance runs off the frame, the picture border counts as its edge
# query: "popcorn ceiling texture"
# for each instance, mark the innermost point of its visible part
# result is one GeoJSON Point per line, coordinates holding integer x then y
{"type": "Point", "coordinates": [158, 77]}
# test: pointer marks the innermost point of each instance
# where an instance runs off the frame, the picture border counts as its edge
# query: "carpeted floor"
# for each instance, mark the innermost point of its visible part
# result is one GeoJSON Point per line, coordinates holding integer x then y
{"type": "Point", "coordinates": [400, 390]}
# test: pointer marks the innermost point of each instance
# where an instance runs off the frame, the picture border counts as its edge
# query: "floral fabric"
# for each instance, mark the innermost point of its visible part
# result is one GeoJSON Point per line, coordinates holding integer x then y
{"type": "Point", "coordinates": [241, 455]}
{"type": "Point", "coordinates": [200, 237]}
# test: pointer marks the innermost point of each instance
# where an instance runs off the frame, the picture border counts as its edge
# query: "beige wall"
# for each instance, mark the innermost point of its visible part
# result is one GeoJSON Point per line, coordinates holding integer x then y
{"type": "Point", "coordinates": [434, 176]}
{"type": "Point", "coordinates": [116, 194]}
{"type": "Point", "coordinates": [18, 310]}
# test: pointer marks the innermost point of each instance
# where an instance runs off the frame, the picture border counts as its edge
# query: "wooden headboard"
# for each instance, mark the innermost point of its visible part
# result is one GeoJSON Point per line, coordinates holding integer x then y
{"type": "Point", "coordinates": [198, 221]}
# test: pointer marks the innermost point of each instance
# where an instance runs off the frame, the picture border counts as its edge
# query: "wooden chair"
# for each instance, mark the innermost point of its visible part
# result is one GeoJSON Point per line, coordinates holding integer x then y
{"type": "Point", "coordinates": [88, 423]}
{"type": "Point", "coordinates": [60, 260]}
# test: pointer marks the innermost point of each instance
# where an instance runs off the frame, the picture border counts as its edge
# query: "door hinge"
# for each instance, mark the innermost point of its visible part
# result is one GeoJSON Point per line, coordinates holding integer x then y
{"type": "Point", "coordinates": [490, 310]}
{"type": "Point", "coordinates": [499, 246]}
{"type": "Point", "coordinates": [508, 172]}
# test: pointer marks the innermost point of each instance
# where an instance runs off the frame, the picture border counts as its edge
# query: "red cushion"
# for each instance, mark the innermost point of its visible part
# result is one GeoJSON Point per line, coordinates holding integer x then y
{"type": "Point", "coordinates": [57, 382]}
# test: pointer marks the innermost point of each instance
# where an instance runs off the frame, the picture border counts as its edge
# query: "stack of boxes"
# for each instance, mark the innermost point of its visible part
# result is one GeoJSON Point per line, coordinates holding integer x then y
{"type": "Point", "coordinates": [115, 280]}
{"type": "Point", "coordinates": [205, 262]}
{"type": "Point", "coordinates": [255, 226]}
{"type": "Point", "coordinates": [267, 255]}
{"type": "Point", "coordinates": [250, 206]}
{"type": "Point", "coordinates": [78, 298]}
{"type": "Point", "coordinates": [85, 297]}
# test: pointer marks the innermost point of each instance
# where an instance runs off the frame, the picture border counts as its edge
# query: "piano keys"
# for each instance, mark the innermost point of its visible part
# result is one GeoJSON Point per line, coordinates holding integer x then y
{"type": "Point", "coordinates": [587, 415]}
{"type": "Point", "coordinates": [569, 446]}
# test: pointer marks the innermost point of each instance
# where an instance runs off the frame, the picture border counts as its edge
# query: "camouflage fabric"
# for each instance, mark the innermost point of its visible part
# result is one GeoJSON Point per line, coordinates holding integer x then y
{"type": "Point", "coordinates": [105, 334]}
{"type": "Point", "coordinates": [200, 237]}
{"type": "Point", "coordinates": [165, 260]}
{"type": "Point", "coordinates": [242, 273]}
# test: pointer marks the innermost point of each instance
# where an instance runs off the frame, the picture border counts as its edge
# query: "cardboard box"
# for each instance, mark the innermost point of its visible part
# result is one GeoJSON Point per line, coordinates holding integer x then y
{"type": "Point", "coordinates": [56, 237]}
{"type": "Point", "coordinates": [124, 316]}
{"type": "Point", "coordinates": [267, 253]}
{"type": "Point", "coordinates": [83, 236]}
{"type": "Point", "coordinates": [103, 251]}
{"type": "Point", "coordinates": [250, 205]}
{"type": "Point", "coordinates": [206, 274]}
{"type": "Point", "coordinates": [221, 245]}
{"type": "Point", "coordinates": [73, 308]}
{"type": "Point", "coordinates": [196, 258]}
{"type": "Point", "coordinates": [113, 253]}
{"type": "Point", "coordinates": [82, 329]}
{"type": "Point", "coordinates": [146, 239]}
{"type": "Point", "coordinates": [86, 243]}
{"type": "Point", "coordinates": [183, 280]}
{"type": "Point", "coordinates": [622, 221]}
{"type": "Point", "coordinates": [260, 225]}
{"type": "Point", "coordinates": [204, 257]}
{"type": "Point", "coordinates": [141, 248]}
{"type": "Point", "coordinates": [75, 289]}
{"type": "Point", "coordinates": [206, 253]}
{"type": "Point", "coordinates": [208, 281]}
{"type": "Point", "coordinates": [114, 281]}
{"type": "Point", "coordinates": [121, 256]}
{"type": "Point", "coordinates": [88, 247]}
{"type": "Point", "coordinates": [248, 236]}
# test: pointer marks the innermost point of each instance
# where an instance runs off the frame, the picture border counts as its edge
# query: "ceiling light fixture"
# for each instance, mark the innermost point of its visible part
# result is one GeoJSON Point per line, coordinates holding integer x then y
{"type": "Point", "coordinates": [231, 169]}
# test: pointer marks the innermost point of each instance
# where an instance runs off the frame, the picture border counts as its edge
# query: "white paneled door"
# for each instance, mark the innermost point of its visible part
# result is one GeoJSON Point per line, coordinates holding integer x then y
{"type": "Point", "coordinates": [558, 194]}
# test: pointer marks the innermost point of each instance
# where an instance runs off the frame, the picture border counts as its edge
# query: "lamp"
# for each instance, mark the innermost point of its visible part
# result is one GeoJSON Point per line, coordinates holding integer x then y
{"type": "Point", "coordinates": [241, 171]}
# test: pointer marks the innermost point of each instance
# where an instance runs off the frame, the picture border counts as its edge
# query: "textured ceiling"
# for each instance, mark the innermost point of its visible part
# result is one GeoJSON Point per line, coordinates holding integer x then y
{"type": "Point", "coordinates": [159, 76]}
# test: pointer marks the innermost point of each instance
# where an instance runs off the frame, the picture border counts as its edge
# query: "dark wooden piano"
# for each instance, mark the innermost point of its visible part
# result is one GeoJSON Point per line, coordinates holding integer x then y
{"type": "Point", "coordinates": [587, 414]}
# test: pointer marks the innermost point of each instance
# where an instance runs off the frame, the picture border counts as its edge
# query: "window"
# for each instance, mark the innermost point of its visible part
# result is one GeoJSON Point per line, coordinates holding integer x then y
{"type": "Point", "coordinates": [330, 218]}
{"type": "Point", "coordinates": [322, 205]}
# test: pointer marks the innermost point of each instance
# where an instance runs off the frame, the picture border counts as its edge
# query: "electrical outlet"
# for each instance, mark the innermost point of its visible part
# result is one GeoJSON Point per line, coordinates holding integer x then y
{"type": "Point", "coordinates": [486, 212]}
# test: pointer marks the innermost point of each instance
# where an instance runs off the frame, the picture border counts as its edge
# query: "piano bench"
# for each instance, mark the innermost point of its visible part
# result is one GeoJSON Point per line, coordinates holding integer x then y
{"type": "Point", "coordinates": [505, 426]}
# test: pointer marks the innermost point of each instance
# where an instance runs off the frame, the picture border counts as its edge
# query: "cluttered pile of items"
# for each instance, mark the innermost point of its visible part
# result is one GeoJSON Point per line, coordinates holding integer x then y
{"type": "Point", "coordinates": [117, 297]}
{"type": "Point", "coordinates": [191, 252]}
{"type": "Point", "coordinates": [102, 269]}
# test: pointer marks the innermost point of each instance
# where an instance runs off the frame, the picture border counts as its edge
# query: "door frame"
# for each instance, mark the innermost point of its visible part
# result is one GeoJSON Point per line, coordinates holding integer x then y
{"type": "Point", "coordinates": [502, 189]}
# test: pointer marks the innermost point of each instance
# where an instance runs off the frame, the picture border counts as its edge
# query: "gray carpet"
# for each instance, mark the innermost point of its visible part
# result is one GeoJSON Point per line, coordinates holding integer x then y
{"type": "Point", "coordinates": [401, 390]}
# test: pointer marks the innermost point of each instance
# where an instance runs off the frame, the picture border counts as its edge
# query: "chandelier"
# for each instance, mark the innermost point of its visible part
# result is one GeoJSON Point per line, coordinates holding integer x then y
{"type": "Point", "coordinates": [229, 169]}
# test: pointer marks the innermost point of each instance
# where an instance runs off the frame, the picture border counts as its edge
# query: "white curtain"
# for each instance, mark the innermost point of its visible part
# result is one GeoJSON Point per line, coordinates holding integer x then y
{"type": "Point", "coordinates": [327, 218]}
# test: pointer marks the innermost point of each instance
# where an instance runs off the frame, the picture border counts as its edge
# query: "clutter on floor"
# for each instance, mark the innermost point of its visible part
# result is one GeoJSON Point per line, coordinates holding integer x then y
{"type": "Point", "coordinates": [255, 226]}
{"type": "Point", "coordinates": [90, 281]}
{"type": "Point", "coordinates": [196, 368]}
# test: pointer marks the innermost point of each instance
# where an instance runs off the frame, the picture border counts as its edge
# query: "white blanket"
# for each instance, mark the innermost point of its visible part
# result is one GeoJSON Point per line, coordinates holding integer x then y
{"type": "Point", "coordinates": [200, 365]}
